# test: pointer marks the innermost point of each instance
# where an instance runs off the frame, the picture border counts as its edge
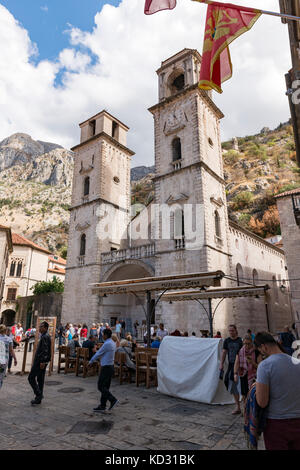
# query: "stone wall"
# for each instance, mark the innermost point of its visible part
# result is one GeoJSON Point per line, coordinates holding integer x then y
{"type": "Point", "coordinates": [42, 305]}
{"type": "Point", "coordinates": [291, 242]}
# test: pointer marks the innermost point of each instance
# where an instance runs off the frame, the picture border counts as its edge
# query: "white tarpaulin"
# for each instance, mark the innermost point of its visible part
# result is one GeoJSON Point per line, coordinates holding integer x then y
{"type": "Point", "coordinates": [189, 368]}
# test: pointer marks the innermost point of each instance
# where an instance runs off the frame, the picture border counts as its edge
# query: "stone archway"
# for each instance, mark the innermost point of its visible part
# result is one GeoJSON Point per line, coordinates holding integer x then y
{"type": "Point", "coordinates": [8, 317]}
{"type": "Point", "coordinates": [129, 269]}
{"type": "Point", "coordinates": [126, 307]}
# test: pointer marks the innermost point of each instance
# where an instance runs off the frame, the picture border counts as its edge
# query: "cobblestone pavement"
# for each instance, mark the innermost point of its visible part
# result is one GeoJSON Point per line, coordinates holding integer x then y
{"type": "Point", "coordinates": [144, 419]}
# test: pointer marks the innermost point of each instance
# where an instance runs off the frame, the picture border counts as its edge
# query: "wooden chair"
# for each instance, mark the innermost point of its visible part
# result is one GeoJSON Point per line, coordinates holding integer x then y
{"type": "Point", "coordinates": [70, 365]}
{"type": "Point", "coordinates": [63, 354]}
{"type": "Point", "coordinates": [116, 365]}
{"type": "Point", "coordinates": [82, 360]}
{"type": "Point", "coordinates": [151, 350]}
{"type": "Point", "coordinates": [151, 369]}
{"type": "Point", "coordinates": [141, 367]}
{"type": "Point", "coordinates": [124, 371]}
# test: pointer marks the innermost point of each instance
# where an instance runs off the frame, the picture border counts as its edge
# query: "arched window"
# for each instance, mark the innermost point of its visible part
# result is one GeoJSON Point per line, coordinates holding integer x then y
{"type": "Point", "coordinates": [12, 268]}
{"type": "Point", "coordinates": [239, 274]}
{"type": "Point", "coordinates": [179, 228]}
{"type": "Point", "coordinates": [275, 288]}
{"type": "Point", "coordinates": [176, 149]}
{"type": "Point", "coordinates": [86, 188]}
{"type": "Point", "coordinates": [115, 128]}
{"type": "Point", "coordinates": [82, 244]}
{"type": "Point", "coordinates": [255, 277]}
{"type": "Point", "coordinates": [19, 269]}
{"type": "Point", "coordinates": [178, 83]}
{"type": "Point", "coordinates": [217, 224]}
{"type": "Point", "coordinates": [178, 224]}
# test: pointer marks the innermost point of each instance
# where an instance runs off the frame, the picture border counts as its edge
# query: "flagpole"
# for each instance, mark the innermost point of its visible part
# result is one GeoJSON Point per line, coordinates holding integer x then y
{"type": "Point", "coordinates": [281, 15]}
{"type": "Point", "coordinates": [265, 12]}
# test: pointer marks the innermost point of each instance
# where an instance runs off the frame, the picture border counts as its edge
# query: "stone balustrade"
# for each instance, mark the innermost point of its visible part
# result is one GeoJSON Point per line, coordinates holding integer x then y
{"type": "Point", "coordinates": [137, 252]}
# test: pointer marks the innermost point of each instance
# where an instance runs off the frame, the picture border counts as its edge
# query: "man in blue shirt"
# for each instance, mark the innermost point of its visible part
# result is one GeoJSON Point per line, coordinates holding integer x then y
{"type": "Point", "coordinates": [156, 341]}
{"type": "Point", "coordinates": [107, 355]}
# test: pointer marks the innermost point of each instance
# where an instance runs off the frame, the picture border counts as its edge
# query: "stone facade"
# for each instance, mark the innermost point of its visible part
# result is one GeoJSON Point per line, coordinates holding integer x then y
{"type": "Point", "coordinates": [292, 7]}
{"type": "Point", "coordinates": [184, 230]}
{"type": "Point", "coordinates": [6, 248]}
{"type": "Point", "coordinates": [28, 264]}
{"type": "Point", "coordinates": [289, 211]}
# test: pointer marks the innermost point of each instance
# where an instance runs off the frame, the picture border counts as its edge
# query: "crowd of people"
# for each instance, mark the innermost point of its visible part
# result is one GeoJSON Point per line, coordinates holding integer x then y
{"type": "Point", "coordinates": [260, 368]}
{"type": "Point", "coordinates": [264, 372]}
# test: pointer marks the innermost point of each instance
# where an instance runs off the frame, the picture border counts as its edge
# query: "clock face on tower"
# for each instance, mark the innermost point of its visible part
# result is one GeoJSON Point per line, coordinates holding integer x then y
{"type": "Point", "coordinates": [176, 121]}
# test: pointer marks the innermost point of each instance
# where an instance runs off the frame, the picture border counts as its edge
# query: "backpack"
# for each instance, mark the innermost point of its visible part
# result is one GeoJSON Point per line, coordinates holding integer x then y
{"type": "Point", "coordinates": [3, 354]}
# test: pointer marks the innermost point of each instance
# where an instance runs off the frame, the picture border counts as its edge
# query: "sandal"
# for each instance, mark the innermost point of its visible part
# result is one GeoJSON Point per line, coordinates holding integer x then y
{"type": "Point", "coordinates": [236, 412]}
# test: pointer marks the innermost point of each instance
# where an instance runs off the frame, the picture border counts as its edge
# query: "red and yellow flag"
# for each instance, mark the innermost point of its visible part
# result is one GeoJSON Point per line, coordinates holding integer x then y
{"type": "Point", "coordinates": [224, 23]}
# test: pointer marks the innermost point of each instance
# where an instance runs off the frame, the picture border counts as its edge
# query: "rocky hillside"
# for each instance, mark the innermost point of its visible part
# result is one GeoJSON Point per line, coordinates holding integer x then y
{"type": "Point", "coordinates": [255, 168]}
{"type": "Point", "coordinates": [35, 189]}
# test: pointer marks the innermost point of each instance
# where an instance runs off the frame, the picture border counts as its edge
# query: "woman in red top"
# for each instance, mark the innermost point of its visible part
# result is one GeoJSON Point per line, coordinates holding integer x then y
{"type": "Point", "coordinates": [83, 333]}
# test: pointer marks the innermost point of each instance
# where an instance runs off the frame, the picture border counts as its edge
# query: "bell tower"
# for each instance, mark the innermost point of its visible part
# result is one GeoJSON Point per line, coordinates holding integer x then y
{"type": "Point", "coordinates": [189, 176]}
{"type": "Point", "coordinates": [100, 210]}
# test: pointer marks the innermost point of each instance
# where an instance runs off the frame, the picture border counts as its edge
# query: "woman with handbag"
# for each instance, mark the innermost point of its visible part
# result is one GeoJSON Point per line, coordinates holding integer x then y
{"type": "Point", "coordinates": [245, 366]}
{"type": "Point", "coordinates": [6, 348]}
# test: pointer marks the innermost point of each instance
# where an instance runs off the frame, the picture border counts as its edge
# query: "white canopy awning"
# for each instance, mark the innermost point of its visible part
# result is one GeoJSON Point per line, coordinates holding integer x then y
{"type": "Point", "coordinates": [160, 283]}
{"type": "Point", "coordinates": [228, 292]}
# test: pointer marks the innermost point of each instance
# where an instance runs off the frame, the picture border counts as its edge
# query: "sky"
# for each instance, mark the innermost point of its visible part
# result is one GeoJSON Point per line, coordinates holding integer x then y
{"type": "Point", "coordinates": [61, 62]}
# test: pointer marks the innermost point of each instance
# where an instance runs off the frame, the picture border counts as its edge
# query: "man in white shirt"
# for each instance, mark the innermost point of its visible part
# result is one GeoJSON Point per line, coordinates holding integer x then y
{"type": "Point", "coordinates": [161, 332]}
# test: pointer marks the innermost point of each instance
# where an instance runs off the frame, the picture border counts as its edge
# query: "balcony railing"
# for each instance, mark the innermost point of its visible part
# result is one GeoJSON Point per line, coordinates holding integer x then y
{"type": "Point", "coordinates": [177, 164]}
{"type": "Point", "coordinates": [81, 260]}
{"type": "Point", "coordinates": [179, 243]}
{"type": "Point", "coordinates": [144, 251]}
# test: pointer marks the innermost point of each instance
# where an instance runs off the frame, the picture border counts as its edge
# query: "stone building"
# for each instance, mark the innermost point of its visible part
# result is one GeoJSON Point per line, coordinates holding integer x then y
{"type": "Point", "coordinates": [6, 248]}
{"type": "Point", "coordinates": [288, 204]}
{"type": "Point", "coordinates": [292, 7]}
{"type": "Point", "coordinates": [56, 268]}
{"type": "Point", "coordinates": [184, 230]}
{"type": "Point", "coordinates": [28, 264]}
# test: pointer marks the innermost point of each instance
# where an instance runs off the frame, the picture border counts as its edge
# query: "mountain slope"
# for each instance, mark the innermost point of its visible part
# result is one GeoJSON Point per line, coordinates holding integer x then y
{"type": "Point", "coordinates": [35, 189]}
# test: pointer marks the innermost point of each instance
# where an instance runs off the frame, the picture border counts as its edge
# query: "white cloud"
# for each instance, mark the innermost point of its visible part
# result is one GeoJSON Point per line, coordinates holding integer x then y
{"type": "Point", "coordinates": [129, 47]}
{"type": "Point", "coordinates": [45, 9]}
{"type": "Point", "coordinates": [73, 60]}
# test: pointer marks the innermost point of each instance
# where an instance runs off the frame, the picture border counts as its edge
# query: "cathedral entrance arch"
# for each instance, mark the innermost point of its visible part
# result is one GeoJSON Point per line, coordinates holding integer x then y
{"type": "Point", "coordinates": [129, 307]}
{"type": "Point", "coordinates": [129, 269]}
{"type": "Point", "coordinates": [8, 317]}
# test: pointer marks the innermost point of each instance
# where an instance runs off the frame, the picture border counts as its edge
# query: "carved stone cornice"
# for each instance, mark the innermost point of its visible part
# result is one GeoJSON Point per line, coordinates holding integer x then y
{"type": "Point", "coordinates": [83, 170]}
{"type": "Point", "coordinates": [82, 227]}
{"type": "Point", "coordinates": [218, 202]}
{"type": "Point", "coordinates": [179, 198]}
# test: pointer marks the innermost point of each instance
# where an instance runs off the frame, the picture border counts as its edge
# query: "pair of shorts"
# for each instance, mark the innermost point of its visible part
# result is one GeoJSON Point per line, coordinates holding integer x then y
{"type": "Point", "coordinates": [282, 434]}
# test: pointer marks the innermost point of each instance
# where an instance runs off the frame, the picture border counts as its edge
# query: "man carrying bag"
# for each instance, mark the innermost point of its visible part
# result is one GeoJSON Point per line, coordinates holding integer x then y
{"type": "Point", "coordinates": [42, 356]}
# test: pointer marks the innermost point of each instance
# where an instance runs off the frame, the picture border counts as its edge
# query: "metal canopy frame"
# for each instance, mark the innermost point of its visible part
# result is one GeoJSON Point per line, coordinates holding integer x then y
{"type": "Point", "coordinates": [225, 293]}
{"type": "Point", "coordinates": [160, 284]}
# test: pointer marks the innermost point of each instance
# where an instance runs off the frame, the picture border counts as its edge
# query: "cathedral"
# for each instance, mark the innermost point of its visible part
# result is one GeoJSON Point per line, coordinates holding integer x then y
{"type": "Point", "coordinates": [185, 229]}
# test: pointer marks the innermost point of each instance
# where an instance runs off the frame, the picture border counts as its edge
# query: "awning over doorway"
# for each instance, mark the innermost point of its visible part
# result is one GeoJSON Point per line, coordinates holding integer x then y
{"type": "Point", "coordinates": [160, 283]}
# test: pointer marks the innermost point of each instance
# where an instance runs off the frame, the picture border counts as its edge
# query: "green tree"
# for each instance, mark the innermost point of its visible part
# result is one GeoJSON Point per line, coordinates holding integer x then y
{"type": "Point", "coordinates": [44, 287]}
{"type": "Point", "coordinates": [64, 252]}
{"type": "Point", "coordinates": [242, 200]}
